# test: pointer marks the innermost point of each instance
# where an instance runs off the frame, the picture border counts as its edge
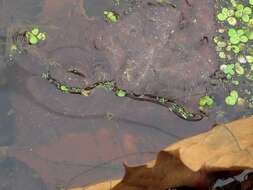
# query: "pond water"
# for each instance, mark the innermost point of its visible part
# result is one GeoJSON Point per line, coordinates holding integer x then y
{"type": "Point", "coordinates": [50, 139]}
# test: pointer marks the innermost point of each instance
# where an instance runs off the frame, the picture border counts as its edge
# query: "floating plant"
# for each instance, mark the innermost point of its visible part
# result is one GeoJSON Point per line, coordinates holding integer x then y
{"type": "Point", "coordinates": [35, 36]}
{"type": "Point", "coordinates": [206, 101]}
{"type": "Point", "coordinates": [111, 16]}
{"type": "Point", "coordinates": [234, 46]}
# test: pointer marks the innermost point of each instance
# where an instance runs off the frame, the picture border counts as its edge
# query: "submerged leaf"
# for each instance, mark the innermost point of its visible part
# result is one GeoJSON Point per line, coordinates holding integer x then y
{"type": "Point", "coordinates": [192, 161]}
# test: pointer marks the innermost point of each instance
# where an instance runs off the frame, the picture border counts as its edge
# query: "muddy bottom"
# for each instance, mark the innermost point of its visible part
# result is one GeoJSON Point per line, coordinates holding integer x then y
{"type": "Point", "coordinates": [72, 140]}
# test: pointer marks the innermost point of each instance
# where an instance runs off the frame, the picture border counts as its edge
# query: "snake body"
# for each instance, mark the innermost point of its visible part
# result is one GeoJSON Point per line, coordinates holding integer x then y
{"type": "Point", "coordinates": [171, 105]}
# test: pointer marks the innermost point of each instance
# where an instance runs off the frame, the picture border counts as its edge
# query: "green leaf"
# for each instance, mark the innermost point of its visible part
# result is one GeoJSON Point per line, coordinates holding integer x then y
{"type": "Point", "coordinates": [41, 36]}
{"type": "Point", "coordinates": [221, 44]}
{"type": "Point", "coordinates": [249, 58]}
{"type": "Point", "coordinates": [232, 21]}
{"type": "Point", "coordinates": [243, 39]}
{"type": "Point", "coordinates": [222, 55]}
{"type": "Point", "coordinates": [35, 31]}
{"type": "Point", "coordinates": [233, 2]}
{"type": "Point", "coordinates": [251, 2]}
{"type": "Point", "coordinates": [247, 11]}
{"type": "Point", "coordinates": [245, 18]}
{"type": "Point", "coordinates": [225, 11]}
{"type": "Point", "coordinates": [239, 69]}
{"type": "Point", "coordinates": [238, 13]}
{"type": "Point", "coordinates": [206, 101]}
{"type": "Point", "coordinates": [234, 94]}
{"type": "Point", "coordinates": [33, 40]}
{"type": "Point", "coordinates": [232, 98]}
{"type": "Point", "coordinates": [234, 39]}
{"type": "Point", "coordinates": [240, 7]}
{"type": "Point", "coordinates": [250, 35]}
{"type": "Point", "coordinates": [120, 93]}
{"type": "Point", "coordinates": [240, 32]}
{"type": "Point", "coordinates": [64, 88]}
{"type": "Point", "coordinates": [235, 49]}
{"type": "Point", "coordinates": [231, 101]}
{"type": "Point", "coordinates": [232, 32]}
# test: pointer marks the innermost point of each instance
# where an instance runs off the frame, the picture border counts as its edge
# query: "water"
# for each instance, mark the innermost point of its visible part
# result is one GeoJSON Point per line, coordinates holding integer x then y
{"type": "Point", "coordinates": [58, 139]}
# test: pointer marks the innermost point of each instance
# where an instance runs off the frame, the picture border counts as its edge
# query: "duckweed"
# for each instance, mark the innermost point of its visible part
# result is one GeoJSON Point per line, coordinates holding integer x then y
{"type": "Point", "coordinates": [206, 101]}
{"type": "Point", "coordinates": [120, 93]}
{"type": "Point", "coordinates": [231, 100]}
{"type": "Point", "coordinates": [234, 46]}
{"type": "Point", "coordinates": [111, 16]}
{"type": "Point", "coordinates": [35, 36]}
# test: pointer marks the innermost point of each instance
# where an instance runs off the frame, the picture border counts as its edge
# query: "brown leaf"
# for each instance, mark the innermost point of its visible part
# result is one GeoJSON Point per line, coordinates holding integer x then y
{"type": "Point", "coordinates": [195, 161]}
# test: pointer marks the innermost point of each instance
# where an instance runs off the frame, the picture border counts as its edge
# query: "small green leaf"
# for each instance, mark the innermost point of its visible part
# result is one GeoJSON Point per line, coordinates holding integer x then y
{"type": "Point", "coordinates": [232, 98]}
{"type": "Point", "coordinates": [225, 11]}
{"type": "Point", "coordinates": [239, 69]}
{"type": "Point", "coordinates": [232, 32]}
{"type": "Point", "coordinates": [234, 39]}
{"type": "Point", "coordinates": [233, 2]}
{"type": "Point", "coordinates": [221, 44]}
{"type": "Point", "coordinates": [235, 49]}
{"type": "Point", "coordinates": [232, 21]}
{"type": "Point", "coordinates": [247, 11]}
{"type": "Point", "coordinates": [33, 40]}
{"type": "Point", "coordinates": [239, 7]}
{"type": "Point", "coordinates": [222, 55]}
{"type": "Point", "coordinates": [238, 13]}
{"type": "Point", "coordinates": [250, 35]}
{"type": "Point", "coordinates": [245, 18]}
{"type": "Point", "coordinates": [243, 39]}
{"type": "Point", "coordinates": [221, 17]}
{"type": "Point", "coordinates": [120, 93]}
{"type": "Point", "coordinates": [41, 36]}
{"type": "Point", "coordinates": [206, 101]}
{"type": "Point", "coordinates": [249, 58]}
{"type": "Point", "coordinates": [35, 31]}
{"type": "Point", "coordinates": [240, 32]}
{"type": "Point", "coordinates": [64, 88]}
{"type": "Point", "coordinates": [234, 94]}
{"type": "Point", "coordinates": [231, 101]}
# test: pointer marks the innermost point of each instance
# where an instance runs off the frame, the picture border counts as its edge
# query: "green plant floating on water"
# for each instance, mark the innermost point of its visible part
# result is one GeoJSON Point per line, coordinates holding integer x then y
{"type": "Point", "coordinates": [237, 36]}
{"type": "Point", "coordinates": [229, 70]}
{"type": "Point", "coordinates": [232, 98]}
{"type": "Point", "coordinates": [249, 58]}
{"type": "Point", "coordinates": [243, 12]}
{"type": "Point", "coordinates": [64, 88]}
{"type": "Point", "coordinates": [206, 101]}
{"type": "Point", "coordinates": [224, 14]}
{"type": "Point", "coordinates": [35, 36]}
{"type": "Point", "coordinates": [120, 93]}
{"type": "Point", "coordinates": [111, 16]}
{"type": "Point", "coordinates": [239, 69]}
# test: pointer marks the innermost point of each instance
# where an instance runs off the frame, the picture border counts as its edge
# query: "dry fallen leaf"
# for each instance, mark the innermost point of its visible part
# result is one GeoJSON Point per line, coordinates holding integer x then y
{"type": "Point", "coordinates": [196, 161]}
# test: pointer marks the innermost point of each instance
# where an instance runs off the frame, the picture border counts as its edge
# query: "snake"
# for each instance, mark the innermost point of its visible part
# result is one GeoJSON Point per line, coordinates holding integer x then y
{"type": "Point", "coordinates": [174, 107]}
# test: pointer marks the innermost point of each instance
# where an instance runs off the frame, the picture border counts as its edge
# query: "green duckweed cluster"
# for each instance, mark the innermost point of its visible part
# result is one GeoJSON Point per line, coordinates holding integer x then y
{"type": "Point", "coordinates": [234, 46]}
{"type": "Point", "coordinates": [111, 16]}
{"type": "Point", "coordinates": [35, 36]}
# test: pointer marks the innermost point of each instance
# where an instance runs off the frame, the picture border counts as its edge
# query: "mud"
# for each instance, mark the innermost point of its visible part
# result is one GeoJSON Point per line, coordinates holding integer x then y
{"type": "Point", "coordinates": [157, 50]}
{"type": "Point", "coordinates": [152, 49]}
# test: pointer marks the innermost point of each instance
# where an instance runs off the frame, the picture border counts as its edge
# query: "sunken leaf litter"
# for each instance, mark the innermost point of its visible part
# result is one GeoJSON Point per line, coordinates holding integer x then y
{"type": "Point", "coordinates": [234, 46]}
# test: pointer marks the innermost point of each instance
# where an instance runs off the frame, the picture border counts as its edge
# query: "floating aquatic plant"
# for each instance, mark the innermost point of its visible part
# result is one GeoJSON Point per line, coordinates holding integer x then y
{"type": "Point", "coordinates": [111, 16]}
{"type": "Point", "coordinates": [206, 101]}
{"type": "Point", "coordinates": [232, 98]}
{"type": "Point", "coordinates": [237, 36]}
{"type": "Point", "coordinates": [35, 36]}
{"type": "Point", "coordinates": [120, 93]}
{"type": "Point", "coordinates": [229, 70]}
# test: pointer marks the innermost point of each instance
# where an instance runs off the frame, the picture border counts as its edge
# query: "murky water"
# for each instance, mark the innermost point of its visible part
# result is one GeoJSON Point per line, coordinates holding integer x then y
{"type": "Point", "coordinates": [57, 139]}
